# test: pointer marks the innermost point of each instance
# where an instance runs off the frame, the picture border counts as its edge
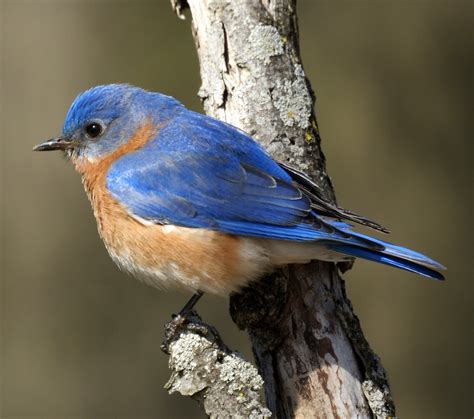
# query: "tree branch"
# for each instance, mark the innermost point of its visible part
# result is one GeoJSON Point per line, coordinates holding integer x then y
{"type": "Point", "coordinates": [221, 381]}
{"type": "Point", "coordinates": [308, 343]}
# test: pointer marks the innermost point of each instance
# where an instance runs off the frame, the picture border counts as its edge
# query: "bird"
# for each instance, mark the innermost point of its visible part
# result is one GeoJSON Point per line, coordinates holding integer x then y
{"type": "Point", "coordinates": [185, 200]}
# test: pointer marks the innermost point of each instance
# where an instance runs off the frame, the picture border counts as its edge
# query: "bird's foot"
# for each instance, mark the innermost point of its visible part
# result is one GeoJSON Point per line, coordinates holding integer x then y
{"type": "Point", "coordinates": [187, 320]}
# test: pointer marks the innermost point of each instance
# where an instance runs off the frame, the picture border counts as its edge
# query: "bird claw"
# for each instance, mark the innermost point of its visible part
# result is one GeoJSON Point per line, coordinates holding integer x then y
{"type": "Point", "coordinates": [188, 322]}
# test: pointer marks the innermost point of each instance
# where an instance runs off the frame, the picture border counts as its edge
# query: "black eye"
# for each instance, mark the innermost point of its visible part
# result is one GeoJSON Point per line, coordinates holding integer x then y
{"type": "Point", "coordinates": [94, 130]}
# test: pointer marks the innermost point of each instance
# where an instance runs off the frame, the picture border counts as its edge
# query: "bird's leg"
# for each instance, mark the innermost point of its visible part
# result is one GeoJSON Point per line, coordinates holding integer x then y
{"type": "Point", "coordinates": [184, 320]}
{"type": "Point", "coordinates": [191, 303]}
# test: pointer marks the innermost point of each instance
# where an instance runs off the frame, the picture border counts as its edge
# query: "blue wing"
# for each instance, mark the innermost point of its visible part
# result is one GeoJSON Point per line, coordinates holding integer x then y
{"type": "Point", "coordinates": [200, 172]}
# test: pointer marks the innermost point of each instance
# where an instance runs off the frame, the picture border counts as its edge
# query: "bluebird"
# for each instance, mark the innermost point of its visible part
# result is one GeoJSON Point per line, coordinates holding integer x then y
{"type": "Point", "coordinates": [184, 200]}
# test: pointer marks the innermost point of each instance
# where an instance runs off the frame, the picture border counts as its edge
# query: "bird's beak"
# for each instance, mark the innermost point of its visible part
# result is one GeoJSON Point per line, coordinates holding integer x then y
{"type": "Point", "coordinates": [54, 144]}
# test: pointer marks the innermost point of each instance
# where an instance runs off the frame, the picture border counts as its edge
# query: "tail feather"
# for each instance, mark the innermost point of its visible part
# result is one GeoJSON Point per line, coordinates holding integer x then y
{"type": "Point", "coordinates": [403, 253]}
{"type": "Point", "coordinates": [389, 248]}
{"type": "Point", "coordinates": [394, 256]}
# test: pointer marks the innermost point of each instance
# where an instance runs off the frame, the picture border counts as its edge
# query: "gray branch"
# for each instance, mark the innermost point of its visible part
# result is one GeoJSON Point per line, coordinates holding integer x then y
{"type": "Point", "coordinates": [309, 347]}
{"type": "Point", "coordinates": [221, 381]}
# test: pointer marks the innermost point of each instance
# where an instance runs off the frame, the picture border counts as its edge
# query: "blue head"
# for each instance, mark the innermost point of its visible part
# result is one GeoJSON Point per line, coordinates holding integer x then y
{"type": "Point", "coordinates": [104, 117]}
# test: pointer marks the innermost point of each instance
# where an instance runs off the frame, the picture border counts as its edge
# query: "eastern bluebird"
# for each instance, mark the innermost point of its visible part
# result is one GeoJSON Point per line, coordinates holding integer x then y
{"type": "Point", "coordinates": [182, 199]}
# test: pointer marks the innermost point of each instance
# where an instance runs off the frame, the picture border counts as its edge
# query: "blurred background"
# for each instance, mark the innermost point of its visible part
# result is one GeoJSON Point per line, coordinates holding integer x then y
{"type": "Point", "coordinates": [81, 339]}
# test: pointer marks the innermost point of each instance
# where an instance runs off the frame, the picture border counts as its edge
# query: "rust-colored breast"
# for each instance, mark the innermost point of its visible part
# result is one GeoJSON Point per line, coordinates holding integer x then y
{"type": "Point", "coordinates": [165, 255]}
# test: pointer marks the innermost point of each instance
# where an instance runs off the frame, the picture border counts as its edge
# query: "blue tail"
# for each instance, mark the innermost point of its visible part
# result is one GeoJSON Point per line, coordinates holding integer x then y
{"type": "Point", "coordinates": [387, 253]}
{"type": "Point", "coordinates": [394, 256]}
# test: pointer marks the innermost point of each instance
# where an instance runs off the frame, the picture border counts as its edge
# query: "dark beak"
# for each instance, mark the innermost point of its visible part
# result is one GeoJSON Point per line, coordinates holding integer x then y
{"type": "Point", "coordinates": [54, 144]}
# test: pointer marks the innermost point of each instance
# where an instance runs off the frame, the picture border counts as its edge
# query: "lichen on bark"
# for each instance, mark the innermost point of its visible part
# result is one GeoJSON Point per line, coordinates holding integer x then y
{"type": "Point", "coordinates": [223, 383]}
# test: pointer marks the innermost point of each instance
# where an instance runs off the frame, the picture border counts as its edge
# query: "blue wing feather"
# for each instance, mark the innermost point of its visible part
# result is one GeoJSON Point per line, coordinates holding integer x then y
{"type": "Point", "coordinates": [221, 173]}
{"type": "Point", "coordinates": [200, 172]}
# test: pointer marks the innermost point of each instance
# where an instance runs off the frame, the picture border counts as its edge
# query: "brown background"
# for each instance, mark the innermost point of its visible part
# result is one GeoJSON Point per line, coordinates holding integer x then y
{"type": "Point", "coordinates": [81, 339]}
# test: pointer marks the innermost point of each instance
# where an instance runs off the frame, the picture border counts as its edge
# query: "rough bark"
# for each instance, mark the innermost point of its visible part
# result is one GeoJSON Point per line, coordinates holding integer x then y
{"type": "Point", "coordinates": [221, 381]}
{"type": "Point", "coordinates": [308, 343]}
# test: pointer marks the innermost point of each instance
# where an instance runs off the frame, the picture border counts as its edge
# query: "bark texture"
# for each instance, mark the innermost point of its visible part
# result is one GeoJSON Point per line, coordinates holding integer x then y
{"type": "Point", "coordinates": [221, 381]}
{"type": "Point", "coordinates": [308, 343]}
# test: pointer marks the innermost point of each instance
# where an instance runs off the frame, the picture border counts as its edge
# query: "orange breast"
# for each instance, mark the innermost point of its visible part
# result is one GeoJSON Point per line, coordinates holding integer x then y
{"type": "Point", "coordinates": [166, 255]}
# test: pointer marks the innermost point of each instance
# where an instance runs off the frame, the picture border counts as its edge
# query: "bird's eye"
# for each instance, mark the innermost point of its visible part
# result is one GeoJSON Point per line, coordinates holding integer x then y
{"type": "Point", "coordinates": [94, 129]}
